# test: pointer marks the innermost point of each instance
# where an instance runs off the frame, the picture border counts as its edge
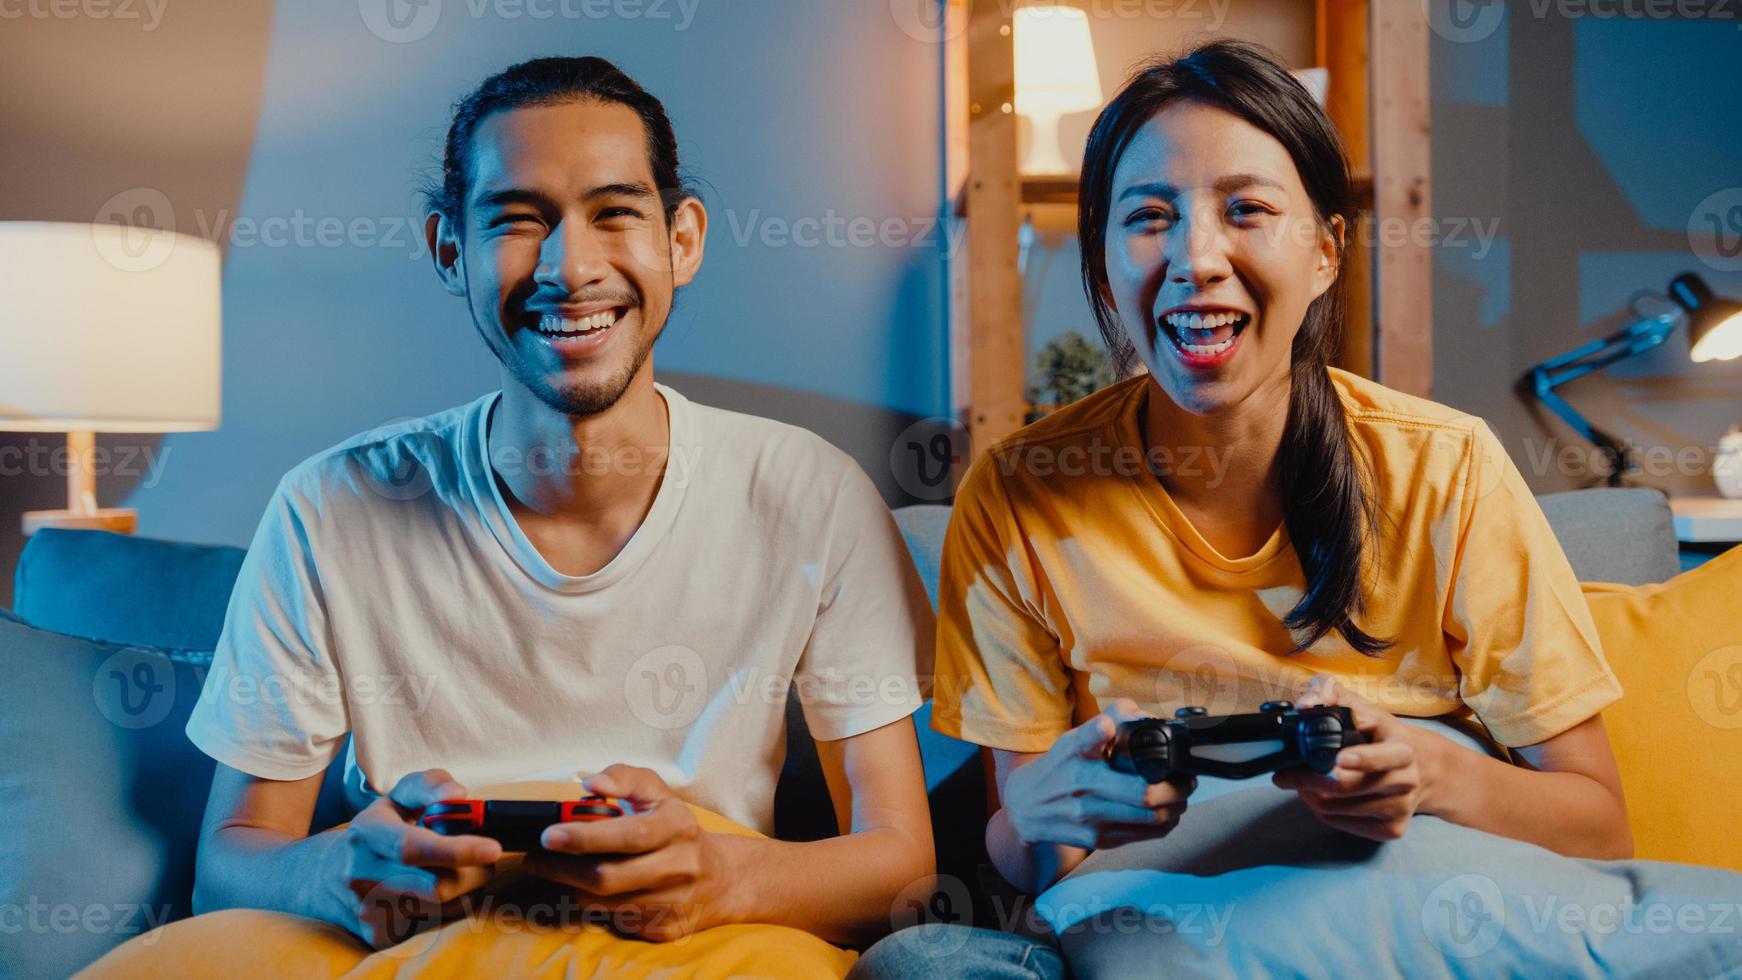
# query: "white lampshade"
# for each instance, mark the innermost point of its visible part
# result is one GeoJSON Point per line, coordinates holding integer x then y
{"type": "Point", "coordinates": [1055, 74]}
{"type": "Point", "coordinates": [107, 328]}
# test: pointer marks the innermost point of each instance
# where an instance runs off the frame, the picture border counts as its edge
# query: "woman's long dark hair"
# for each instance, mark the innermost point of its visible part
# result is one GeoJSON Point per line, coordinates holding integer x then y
{"type": "Point", "coordinates": [1326, 507]}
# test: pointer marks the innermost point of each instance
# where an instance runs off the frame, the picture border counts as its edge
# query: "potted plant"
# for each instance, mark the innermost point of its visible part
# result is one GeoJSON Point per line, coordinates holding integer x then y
{"type": "Point", "coordinates": [1069, 367]}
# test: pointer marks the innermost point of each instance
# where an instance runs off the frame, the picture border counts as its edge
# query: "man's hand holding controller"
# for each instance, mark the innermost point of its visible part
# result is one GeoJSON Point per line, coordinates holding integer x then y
{"type": "Point", "coordinates": [390, 877]}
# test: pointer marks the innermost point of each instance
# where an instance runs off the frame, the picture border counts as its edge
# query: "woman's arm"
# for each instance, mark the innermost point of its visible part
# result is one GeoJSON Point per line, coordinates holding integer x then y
{"type": "Point", "coordinates": [1030, 867]}
{"type": "Point", "coordinates": [1065, 802]}
{"type": "Point", "coordinates": [1567, 796]}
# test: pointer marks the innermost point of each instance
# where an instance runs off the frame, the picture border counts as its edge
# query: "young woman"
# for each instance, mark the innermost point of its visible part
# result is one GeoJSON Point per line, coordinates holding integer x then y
{"type": "Point", "coordinates": [1242, 523]}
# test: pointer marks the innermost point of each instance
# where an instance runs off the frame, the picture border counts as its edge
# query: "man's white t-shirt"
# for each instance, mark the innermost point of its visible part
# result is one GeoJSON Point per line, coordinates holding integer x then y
{"type": "Point", "coordinates": [389, 593]}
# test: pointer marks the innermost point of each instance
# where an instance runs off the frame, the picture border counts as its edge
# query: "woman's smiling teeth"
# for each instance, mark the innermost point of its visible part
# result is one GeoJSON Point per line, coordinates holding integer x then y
{"type": "Point", "coordinates": [552, 323]}
{"type": "Point", "coordinates": [1205, 333]}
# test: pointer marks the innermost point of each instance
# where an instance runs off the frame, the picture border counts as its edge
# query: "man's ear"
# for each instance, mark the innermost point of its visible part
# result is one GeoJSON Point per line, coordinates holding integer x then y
{"type": "Point", "coordinates": [689, 229]}
{"type": "Point", "coordinates": [444, 251]}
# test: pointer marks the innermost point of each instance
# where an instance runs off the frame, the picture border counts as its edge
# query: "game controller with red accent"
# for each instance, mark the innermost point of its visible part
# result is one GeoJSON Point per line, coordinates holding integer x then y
{"type": "Point", "coordinates": [1193, 743]}
{"type": "Point", "coordinates": [515, 824]}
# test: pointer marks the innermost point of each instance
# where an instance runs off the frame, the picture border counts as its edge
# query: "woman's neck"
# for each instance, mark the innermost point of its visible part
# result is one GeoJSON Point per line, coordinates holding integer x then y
{"type": "Point", "coordinates": [1225, 464]}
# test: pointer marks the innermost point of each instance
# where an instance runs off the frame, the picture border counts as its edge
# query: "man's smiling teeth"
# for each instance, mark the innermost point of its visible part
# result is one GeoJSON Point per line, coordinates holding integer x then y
{"type": "Point", "coordinates": [1206, 326]}
{"type": "Point", "coordinates": [551, 323]}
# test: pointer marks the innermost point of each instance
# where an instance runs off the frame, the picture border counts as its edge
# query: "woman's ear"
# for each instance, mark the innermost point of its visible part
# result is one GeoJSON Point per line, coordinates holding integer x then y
{"type": "Point", "coordinates": [1103, 288]}
{"type": "Point", "coordinates": [444, 251]}
{"type": "Point", "coordinates": [1106, 293]}
{"type": "Point", "coordinates": [1329, 260]}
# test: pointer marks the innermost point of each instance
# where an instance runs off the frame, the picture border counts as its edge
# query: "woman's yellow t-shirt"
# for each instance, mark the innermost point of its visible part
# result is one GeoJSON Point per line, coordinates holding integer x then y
{"type": "Point", "coordinates": [1070, 579]}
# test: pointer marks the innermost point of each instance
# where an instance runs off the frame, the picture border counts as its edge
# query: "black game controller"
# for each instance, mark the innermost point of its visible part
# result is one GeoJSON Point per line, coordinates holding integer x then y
{"type": "Point", "coordinates": [1191, 743]}
{"type": "Point", "coordinates": [515, 824]}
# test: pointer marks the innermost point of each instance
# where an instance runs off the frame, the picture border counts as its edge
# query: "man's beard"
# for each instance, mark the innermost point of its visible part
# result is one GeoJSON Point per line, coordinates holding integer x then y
{"type": "Point", "coordinates": [578, 399]}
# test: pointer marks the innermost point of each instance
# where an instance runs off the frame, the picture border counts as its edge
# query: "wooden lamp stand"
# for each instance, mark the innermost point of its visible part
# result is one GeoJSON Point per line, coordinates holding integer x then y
{"type": "Point", "coordinates": [82, 511]}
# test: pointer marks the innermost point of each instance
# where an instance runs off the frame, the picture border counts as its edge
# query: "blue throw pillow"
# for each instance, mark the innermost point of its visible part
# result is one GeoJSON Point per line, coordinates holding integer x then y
{"type": "Point", "coordinates": [101, 795]}
{"type": "Point", "coordinates": [125, 589]}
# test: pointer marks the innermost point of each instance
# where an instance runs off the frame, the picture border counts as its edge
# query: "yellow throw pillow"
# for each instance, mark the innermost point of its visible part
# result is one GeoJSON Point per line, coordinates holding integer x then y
{"type": "Point", "coordinates": [1677, 730]}
{"type": "Point", "coordinates": [248, 942]}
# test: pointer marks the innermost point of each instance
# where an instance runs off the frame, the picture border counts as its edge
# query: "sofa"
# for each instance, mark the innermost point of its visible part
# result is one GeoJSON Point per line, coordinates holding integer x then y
{"type": "Point", "coordinates": [102, 794]}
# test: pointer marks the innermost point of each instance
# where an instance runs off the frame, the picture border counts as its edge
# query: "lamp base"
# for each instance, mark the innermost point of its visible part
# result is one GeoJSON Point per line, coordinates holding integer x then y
{"type": "Point", "coordinates": [121, 520]}
{"type": "Point", "coordinates": [1043, 158]}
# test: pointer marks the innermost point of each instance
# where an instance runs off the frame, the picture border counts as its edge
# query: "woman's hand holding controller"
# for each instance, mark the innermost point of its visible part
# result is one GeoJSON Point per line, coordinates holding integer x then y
{"type": "Point", "coordinates": [1069, 795]}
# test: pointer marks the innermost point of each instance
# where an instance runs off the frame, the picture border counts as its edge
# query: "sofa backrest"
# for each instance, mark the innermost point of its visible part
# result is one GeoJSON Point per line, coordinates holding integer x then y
{"type": "Point", "coordinates": [1615, 535]}
{"type": "Point", "coordinates": [124, 589]}
{"type": "Point", "coordinates": [1609, 535]}
{"type": "Point", "coordinates": [134, 590]}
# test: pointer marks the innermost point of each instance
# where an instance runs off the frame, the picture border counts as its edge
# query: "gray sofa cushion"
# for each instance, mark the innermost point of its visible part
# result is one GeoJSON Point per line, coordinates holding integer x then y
{"type": "Point", "coordinates": [922, 527]}
{"type": "Point", "coordinates": [101, 795]}
{"type": "Point", "coordinates": [1615, 535]}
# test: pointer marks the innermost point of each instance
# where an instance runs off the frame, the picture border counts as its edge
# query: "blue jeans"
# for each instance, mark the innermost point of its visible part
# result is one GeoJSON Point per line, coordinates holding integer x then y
{"type": "Point", "coordinates": [941, 950]}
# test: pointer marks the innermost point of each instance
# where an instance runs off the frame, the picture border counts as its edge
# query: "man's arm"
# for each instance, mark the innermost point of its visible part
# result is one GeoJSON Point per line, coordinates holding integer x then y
{"type": "Point", "coordinates": [255, 852]}
{"type": "Point", "coordinates": [844, 888]}
{"type": "Point", "coordinates": [663, 878]}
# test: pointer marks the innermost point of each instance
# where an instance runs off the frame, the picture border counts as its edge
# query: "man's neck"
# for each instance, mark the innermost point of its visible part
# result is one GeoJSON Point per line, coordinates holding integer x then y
{"type": "Point", "coordinates": [589, 468]}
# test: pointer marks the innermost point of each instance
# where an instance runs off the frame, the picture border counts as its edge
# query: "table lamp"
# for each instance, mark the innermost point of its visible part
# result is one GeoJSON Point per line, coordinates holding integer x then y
{"type": "Point", "coordinates": [1055, 74]}
{"type": "Point", "coordinates": [105, 328]}
{"type": "Point", "coordinates": [1714, 332]}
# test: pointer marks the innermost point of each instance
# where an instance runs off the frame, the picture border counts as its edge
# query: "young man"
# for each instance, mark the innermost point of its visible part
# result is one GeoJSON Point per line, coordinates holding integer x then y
{"type": "Point", "coordinates": [584, 572]}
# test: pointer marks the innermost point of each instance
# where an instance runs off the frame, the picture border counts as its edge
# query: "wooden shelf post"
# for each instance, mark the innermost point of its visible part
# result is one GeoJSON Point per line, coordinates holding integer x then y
{"type": "Point", "coordinates": [995, 401]}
